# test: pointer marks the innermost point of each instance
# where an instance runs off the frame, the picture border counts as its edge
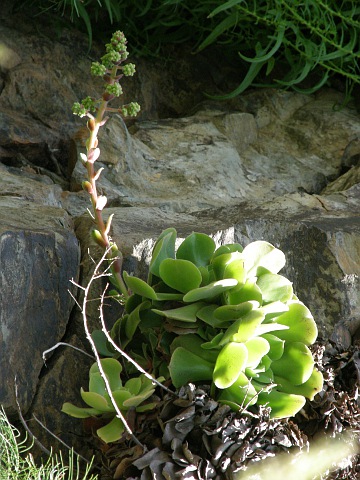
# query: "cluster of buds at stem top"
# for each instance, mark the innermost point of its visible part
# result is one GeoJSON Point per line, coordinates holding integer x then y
{"type": "Point", "coordinates": [111, 70]}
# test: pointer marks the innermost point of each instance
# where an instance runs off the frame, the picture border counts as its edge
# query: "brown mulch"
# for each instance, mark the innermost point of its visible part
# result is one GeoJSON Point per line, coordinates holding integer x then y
{"type": "Point", "coordinates": [193, 437]}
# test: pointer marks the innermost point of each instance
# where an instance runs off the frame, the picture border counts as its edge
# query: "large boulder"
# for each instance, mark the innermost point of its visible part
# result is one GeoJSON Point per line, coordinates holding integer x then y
{"type": "Point", "coordinates": [39, 254]}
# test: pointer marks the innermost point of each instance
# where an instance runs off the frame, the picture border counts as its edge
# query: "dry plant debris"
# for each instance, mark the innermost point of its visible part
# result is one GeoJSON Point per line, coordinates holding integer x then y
{"type": "Point", "coordinates": [194, 437]}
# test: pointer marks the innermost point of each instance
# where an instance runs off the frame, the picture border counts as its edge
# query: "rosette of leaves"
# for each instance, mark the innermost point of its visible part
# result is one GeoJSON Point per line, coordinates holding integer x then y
{"type": "Point", "coordinates": [225, 317]}
{"type": "Point", "coordinates": [132, 394]}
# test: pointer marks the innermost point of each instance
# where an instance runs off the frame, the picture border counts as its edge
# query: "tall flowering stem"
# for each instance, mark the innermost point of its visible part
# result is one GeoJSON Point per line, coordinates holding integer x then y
{"type": "Point", "coordinates": [111, 69]}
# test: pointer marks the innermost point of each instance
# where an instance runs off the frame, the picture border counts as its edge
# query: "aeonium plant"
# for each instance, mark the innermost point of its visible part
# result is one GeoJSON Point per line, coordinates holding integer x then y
{"type": "Point", "coordinates": [218, 316]}
{"type": "Point", "coordinates": [226, 317]}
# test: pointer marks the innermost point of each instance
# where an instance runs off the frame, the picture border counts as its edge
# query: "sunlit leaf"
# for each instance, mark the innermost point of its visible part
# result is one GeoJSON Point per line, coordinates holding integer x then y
{"type": "Point", "coordinates": [248, 292]}
{"type": "Point", "coordinates": [243, 328]}
{"type": "Point", "coordinates": [263, 255]}
{"type": "Point", "coordinates": [240, 393]}
{"type": "Point", "coordinates": [210, 291]}
{"type": "Point", "coordinates": [197, 248]}
{"type": "Point", "coordinates": [181, 275]}
{"type": "Point", "coordinates": [282, 405]}
{"type": "Point", "coordinates": [308, 389]}
{"type": "Point", "coordinates": [275, 288]}
{"type": "Point", "coordinates": [229, 363]}
{"type": "Point", "coordinates": [276, 346]}
{"type": "Point", "coordinates": [296, 363]}
{"type": "Point", "coordinates": [257, 347]}
{"type": "Point", "coordinates": [302, 326]}
{"type": "Point", "coordinates": [164, 248]}
{"type": "Point", "coordinates": [112, 431]}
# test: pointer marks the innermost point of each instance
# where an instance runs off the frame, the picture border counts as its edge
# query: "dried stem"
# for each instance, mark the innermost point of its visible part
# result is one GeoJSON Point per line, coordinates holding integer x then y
{"type": "Point", "coordinates": [96, 354]}
{"type": "Point", "coordinates": [125, 355]}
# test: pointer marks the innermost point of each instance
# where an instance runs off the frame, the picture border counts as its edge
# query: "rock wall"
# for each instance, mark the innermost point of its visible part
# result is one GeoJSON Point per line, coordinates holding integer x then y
{"type": "Point", "coordinates": [270, 165]}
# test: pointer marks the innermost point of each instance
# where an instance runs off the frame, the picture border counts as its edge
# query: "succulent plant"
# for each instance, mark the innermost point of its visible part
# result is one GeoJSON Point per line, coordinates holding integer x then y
{"type": "Point", "coordinates": [226, 317]}
{"type": "Point", "coordinates": [132, 394]}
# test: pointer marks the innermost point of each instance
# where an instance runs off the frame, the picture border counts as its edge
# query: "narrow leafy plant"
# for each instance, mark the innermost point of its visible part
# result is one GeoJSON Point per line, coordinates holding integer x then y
{"type": "Point", "coordinates": [282, 43]}
{"type": "Point", "coordinates": [16, 462]}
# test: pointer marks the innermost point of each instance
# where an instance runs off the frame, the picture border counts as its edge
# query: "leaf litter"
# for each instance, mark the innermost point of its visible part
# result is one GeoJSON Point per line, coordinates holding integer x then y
{"type": "Point", "coordinates": [194, 437]}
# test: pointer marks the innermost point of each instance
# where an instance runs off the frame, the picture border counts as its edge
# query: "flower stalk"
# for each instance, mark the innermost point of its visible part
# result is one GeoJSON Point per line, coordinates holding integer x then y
{"type": "Point", "coordinates": [112, 71]}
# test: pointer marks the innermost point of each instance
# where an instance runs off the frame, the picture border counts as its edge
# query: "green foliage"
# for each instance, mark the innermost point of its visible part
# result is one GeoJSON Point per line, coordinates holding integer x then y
{"type": "Point", "coordinates": [226, 317]}
{"type": "Point", "coordinates": [16, 463]}
{"type": "Point", "coordinates": [281, 43]}
{"type": "Point", "coordinates": [131, 395]}
{"type": "Point", "coordinates": [220, 316]}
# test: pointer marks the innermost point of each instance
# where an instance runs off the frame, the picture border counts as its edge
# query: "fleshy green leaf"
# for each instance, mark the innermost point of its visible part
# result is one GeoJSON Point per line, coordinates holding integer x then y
{"type": "Point", "coordinates": [248, 292]}
{"type": "Point", "coordinates": [133, 385]}
{"type": "Point", "coordinates": [197, 248]}
{"type": "Point", "coordinates": [274, 309]}
{"type": "Point", "coordinates": [230, 362]}
{"type": "Point", "coordinates": [187, 367]}
{"type": "Point", "coordinates": [269, 327]}
{"type": "Point", "coordinates": [233, 312]}
{"type": "Point", "coordinates": [276, 346]}
{"type": "Point", "coordinates": [102, 345]}
{"type": "Point", "coordinates": [240, 393]}
{"type": "Point", "coordinates": [296, 363]}
{"type": "Point", "coordinates": [120, 397]}
{"type": "Point", "coordinates": [229, 265]}
{"type": "Point", "coordinates": [181, 275]}
{"type": "Point", "coordinates": [243, 328]}
{"type": "Point", "coordinates": [228, 248]}
{"type": "Point", "coordinates": [262, 255]}
{"type": "Point", "coordinates": [164, 248]}
{"type": "Point", "coordinates": [112, 369]}
{"type": "Point", "coordinates": [302, 327]}
{"type": "Point", "coordinates": [257, 347]}
{"type": "Point", "coordinates": [136, 400]}
{"type": "Point", "coordinates": [275, 288]}
{"type": "Point", "coordinates": [193, 343]}
{"type": "Point", "coordinates": [210, 291]}
{"type": "Point", "coordinates": [207, 315]}
{"type": "Point", "coordinates": [283, 405]}
{"type": "Point", "coordinates": [308, 389]}
{"type": "Point", "coordinates": [139, 287]}
{"type": "Point", "coordinates": [112, 431]}
{"type": "Point", "coordinates": [79, 412]}
{"type": "Point", "coordinates": [185, 314]}
{"type": "Point", "coordinates": [94, 400]}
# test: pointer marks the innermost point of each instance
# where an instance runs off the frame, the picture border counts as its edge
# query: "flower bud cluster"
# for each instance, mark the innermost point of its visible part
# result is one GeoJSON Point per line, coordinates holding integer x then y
{"type": "Point", "coordinates": [130, 110]}
{"type": "Point", "coordinates": [86, 105]}
{"type": "Point", "coordinates": [114, 89]}
{"type": "Point", "coordinates": [110, 58]}
{"type": "Point", "coordinates": [128, 69]}
{"type": "Point", "coordinates": [97, 69]}
{"type": "Point", "coordinates": [116, 53]}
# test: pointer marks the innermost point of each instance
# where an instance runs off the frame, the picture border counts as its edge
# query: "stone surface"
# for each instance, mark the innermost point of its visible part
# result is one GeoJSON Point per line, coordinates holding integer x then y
{"type": "Point", "coordinates": [271, 165]}
{"type": "Point", "coordinates": [35, 304]}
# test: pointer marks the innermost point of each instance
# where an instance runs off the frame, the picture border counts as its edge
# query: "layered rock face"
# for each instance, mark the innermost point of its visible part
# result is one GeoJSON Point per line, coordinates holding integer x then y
{"type": "Point", "coordinates": [269, 165]}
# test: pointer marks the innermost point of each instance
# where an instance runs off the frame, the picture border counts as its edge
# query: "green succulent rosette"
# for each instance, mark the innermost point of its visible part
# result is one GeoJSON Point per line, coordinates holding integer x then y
{"type": "Point", "coordinates": [226, 317]}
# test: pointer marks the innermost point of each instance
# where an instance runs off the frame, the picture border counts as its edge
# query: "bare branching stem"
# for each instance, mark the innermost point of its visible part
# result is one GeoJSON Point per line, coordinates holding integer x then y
{"type": "Point", "coordinates": [96, 354]}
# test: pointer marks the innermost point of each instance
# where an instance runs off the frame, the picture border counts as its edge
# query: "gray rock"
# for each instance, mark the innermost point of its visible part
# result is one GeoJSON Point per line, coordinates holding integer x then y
{"type": "Point", "coordinates": [215, 158]}
{"type": "Point", "coordinates": [39, 254]}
